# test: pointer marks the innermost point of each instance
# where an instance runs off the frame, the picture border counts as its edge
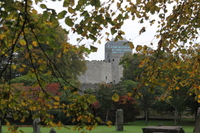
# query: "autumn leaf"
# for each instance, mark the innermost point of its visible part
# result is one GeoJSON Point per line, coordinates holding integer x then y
{"type": "Point", "coordinates": [34, 43]}
{"type": "Point", "coordinates": [115, 97]}
{"type": "Point", "coordinates": [142, 30]}
{"type": "Point", "coordinates": [129, 94]}
{"type": "Point", "coordinates": [138, 48]}
{"type": "Point", "coordinates": [22, 42]}
{"type": "Point", "coordinates": [131, 45]}
{"type": "Point", "coordinates": [177, 88]}
{"type": "Point", "coordinates": [21, 69]}
{"type": "Point", "coordinates": [71, 10]}
{"type": "Point", "coordinates": [91, 98]}
{"type": "Point", "coordinates": [57, 98]}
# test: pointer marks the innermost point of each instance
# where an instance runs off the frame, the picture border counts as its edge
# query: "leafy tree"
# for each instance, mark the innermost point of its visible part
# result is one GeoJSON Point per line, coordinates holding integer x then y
{"type": "Point", "coordinates": [111, 97]}
{"type": "Point", "coordinates": [129, 106]}
{"type": "Point", "coordinates": [104, 97]}
{"type": "Point", "coordinates": [130, 63]}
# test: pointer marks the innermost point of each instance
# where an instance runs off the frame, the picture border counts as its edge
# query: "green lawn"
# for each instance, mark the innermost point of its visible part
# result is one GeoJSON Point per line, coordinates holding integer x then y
{"type": "Point", "coordinates": [135, 127]}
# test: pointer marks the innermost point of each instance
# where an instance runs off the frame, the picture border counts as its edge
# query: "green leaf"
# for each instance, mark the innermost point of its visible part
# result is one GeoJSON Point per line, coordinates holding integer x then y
{"type": "Point", "coordinates": [95, 3]}
{"type": "Point", "coordinates": [113, 31]}
{"type": "Point", "coordinates": [92, 37]}
{"type": "Point", "coordinates": [4, 14]}
{"type": "Point", "coordinates": [43, 6]}
{"type": "Point", "coordinates": [109, 20]}
{"type": "Point", "coordinates": [93, 49]}
{"type": "Point", "coordinates": [85, 13]}
{"type": "Point", "coordinates": [36, 1]}
{"type": "Point", "coordinates": [66, 3]}
{"type": "Point", "coordinates": [69, 22]}
{"type": "Point", "coordinates": [81, 2]}
{"type": "Point", "coordinates": [45, 15]}
{"type": "Point", "coordinates": [98, 18]}
{"type": "Point", "coordinates": [62, 14]}
{"type": "Point", "coordinates": [71, 10]}
{"type": "Point", "coordinates": [91, 99]}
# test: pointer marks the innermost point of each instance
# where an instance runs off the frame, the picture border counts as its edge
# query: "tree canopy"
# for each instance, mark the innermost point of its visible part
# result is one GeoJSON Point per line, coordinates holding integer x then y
{"type": "Point", "coordinates": [21, 30]}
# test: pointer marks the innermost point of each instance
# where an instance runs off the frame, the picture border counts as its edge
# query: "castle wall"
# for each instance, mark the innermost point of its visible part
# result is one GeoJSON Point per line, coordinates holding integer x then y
{"type": "Point", "coordinates": [97, 72]}
{"type": "Point", "coordinates": [109, 70]}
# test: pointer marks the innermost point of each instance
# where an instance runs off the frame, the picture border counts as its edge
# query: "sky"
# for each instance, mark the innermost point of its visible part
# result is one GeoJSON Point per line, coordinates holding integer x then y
{"type": "Point", "coordinates": [131, 29]}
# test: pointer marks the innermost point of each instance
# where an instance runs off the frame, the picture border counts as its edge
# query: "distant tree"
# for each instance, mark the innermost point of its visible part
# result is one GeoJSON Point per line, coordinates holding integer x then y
{"type": "Point", "coordinates": [104, 97]}
{"type": "Point", "coordinates": [131, 69]}
{"type": "Point", "coordinates": [129, 106]}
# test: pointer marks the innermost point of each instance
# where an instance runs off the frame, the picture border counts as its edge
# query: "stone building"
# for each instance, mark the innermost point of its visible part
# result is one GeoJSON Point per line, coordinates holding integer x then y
{"type": "Point", "coordinates": [108, 70]}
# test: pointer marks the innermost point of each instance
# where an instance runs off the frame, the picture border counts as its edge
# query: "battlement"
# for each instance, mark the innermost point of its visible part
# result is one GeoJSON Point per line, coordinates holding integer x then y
{"type": "Point", "coordinates": [107, 70]}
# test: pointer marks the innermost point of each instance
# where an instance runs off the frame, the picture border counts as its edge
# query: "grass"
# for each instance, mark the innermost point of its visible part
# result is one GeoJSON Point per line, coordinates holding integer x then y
{"type": "Point", "coordinates": [134, 127]}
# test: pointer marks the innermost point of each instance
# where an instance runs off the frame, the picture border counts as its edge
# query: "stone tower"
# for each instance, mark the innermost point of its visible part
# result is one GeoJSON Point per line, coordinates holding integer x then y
{"type": "Point", "coordinates": [108, 70]}
{"type": "Point", "coordinates": [114, 50]}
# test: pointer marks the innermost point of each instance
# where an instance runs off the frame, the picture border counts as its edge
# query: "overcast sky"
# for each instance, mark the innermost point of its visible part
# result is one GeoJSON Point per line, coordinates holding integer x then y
{"type": "Point", "coordinates": [131, 29]}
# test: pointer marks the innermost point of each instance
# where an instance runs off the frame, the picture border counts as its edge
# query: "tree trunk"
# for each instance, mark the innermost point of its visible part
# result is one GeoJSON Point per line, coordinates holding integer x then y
{"type": "Point", "coordinates": [0, 127]}
{"type": "Point", "coordinates": [175, 116]}
{"type": "Point", "coordinates": [146, 117]}
{"type": "Point", "coordinates": [107, 113]}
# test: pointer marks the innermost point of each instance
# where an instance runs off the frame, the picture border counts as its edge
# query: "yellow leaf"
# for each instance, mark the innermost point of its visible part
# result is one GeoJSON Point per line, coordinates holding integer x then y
{"type": "Point", "coordinates": [88, 127]}
{"type": "Point", "coordinates": [21, 69]}
{"type": "Point", "coordinates": [27, 56]}
{"type": "Point", "coordinates": [35, 43]}
{"type": "Point", "coordinates": [91, 98]}
{"type": "Point", "coordinates": [142, 63]}
{"type": "Point", "coordinates": [177, 88]}
{"type": "Point", "coordinates": [48, 73]}
{"type": "Point", "coordinates": [109, 123]}
{"type": "Point", "coordinates": [40, 61]}
{"type": "Point", "coordinates": [34, 11]}
{"type": "Point", "coordinates": [57, 98]}
{"type": "Point", "coordinates": [199, 96]}
{"type": "Point", "coordinates": [131, 45]}
{"type": "Point", "coordinates": [79, 117]}
{"type": "Point", "coordinates": [169, 97]}
{"type": "Point", "coordinates": [107, 33]}
{"type": "Point", "coordinates": [138, 48]}
{"type": "Point", "coordinates": [14, 66]}
{"type": "Point", "coordinates": [49, 23]}
{"type": "Point", "coordinates": [65, 87]}
{"type": "Point", "coordinates": [22, 120]}
{"type": "Point", "coordinates": [56, 103]}
{"type": "Point", "coordinates": [59, 55]}
{"type": "Point", "coordinates": [115, 97]}
{"type": "Point", "coordinates": [23, 65]}
{"type": "Point", "coordinates": [22, 42]}
{"type": "Point", "coordinates": [2, 36]}
{"type": "Point", "coordinates": [157, 36]}
{"type": "Point", "coordinates": [129, 94]}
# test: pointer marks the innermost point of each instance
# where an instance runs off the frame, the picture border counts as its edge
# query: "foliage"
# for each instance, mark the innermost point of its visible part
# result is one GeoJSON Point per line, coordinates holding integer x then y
{"type": "Point", "coordinates": [22, 32]}
{"type": "Point", "coordinates": [105, 95]}
{"type": "Point", "coordinates": [106, 104]}
{"type": "Point", "coordinates": [130, 63]}
{"type": "Point", "coordinates": [129, 106]}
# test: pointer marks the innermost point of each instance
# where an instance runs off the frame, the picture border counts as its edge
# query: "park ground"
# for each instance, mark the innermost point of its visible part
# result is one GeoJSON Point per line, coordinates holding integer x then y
{"type": "Point", "coordinates": [134, 127]}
